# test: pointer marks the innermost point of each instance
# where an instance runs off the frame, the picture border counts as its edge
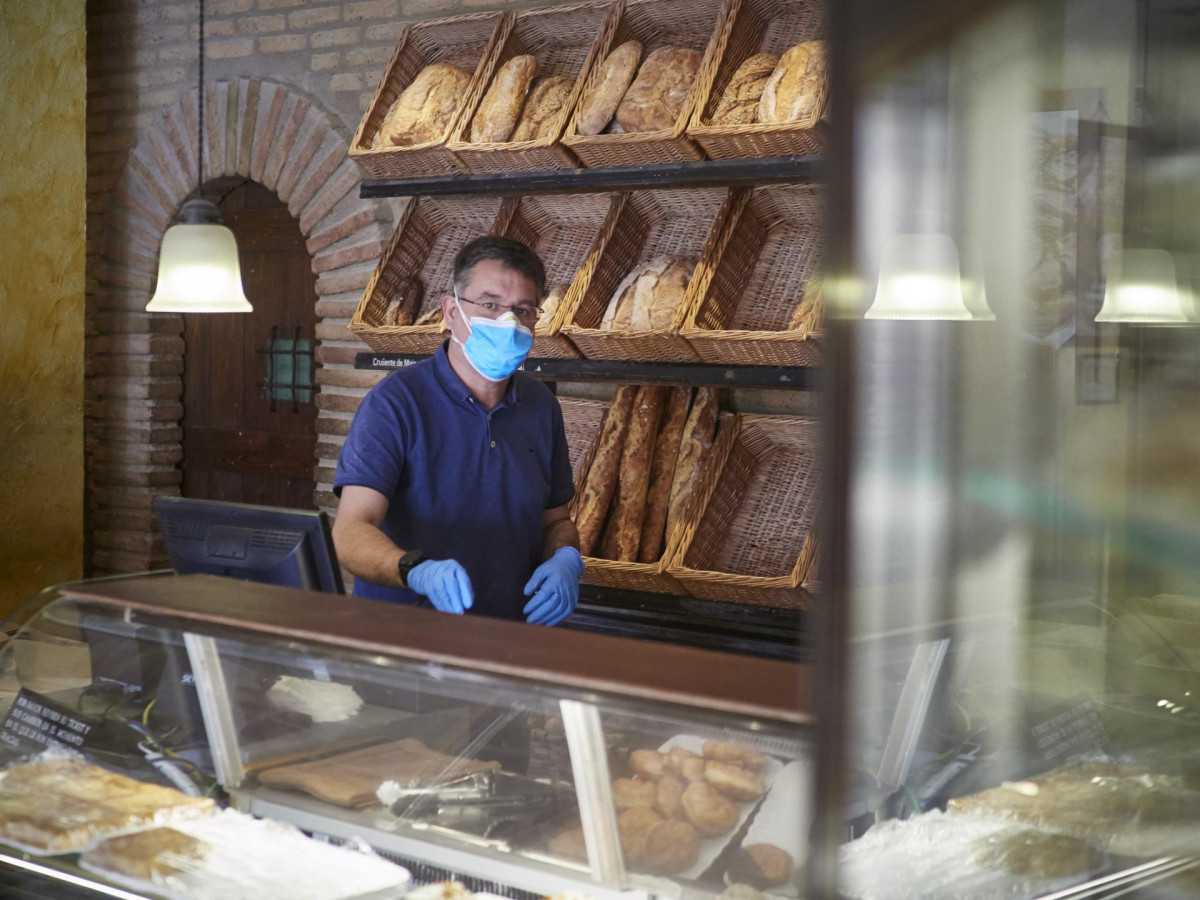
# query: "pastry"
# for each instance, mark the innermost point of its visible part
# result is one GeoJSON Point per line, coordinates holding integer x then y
{"type": "Point", "coordinates": [739, 754]}
{"type": "Point", "coordinates": [569, 844]}
{"type": "Point", "coordinates": [636, 460]}
{"type": "Point", "coordinates": [547, 99]}
{"type": "Point", "coordinates": [739, 102]}
{"type": "Point", "coordinates": [698, 435]}
{"type": "Point", "coordinates": [497, 114]}
{"type": "Point", "coordinates": [647, 764]}
{"type": "Point", "coordinates": [761, 865]}
{"type": "Point", "coordinates": [657, 96]}
{"type": "Point", "coordinates": [796, 89]}
{"type": "Point", "coordinates": [151, 855]}
{"type": "Point", "coordinates": [628, 793]}
{"type": "Point", "coordinates": [425, 108]}
{"type": "Point", "coordinates": [666, 450]}
{"type": "Point", "coordinates": [733, 781]}
{"type": "Point", "coordinates": [676, 756]}
{"type": "Point", "coordinates": [668, 798]}
{"type": "Point", "coordinates": [712, 813]}
{"type": "Point", "coordinates": [671, 847]}
{"type": "Point", "coordinates": [601, 482]}
{"type": "Point", "coordinates": [632, 827]}
{"type": "Point", "coordinates": [600, 101]}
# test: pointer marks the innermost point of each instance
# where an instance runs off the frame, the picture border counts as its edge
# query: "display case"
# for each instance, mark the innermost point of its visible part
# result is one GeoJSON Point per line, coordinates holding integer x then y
{"type": "Point", "coordinates": [521, 761]}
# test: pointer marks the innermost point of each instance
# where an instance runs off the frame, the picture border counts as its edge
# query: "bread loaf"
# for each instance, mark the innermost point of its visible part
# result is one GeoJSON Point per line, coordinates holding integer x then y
{"type": "Point", "coordinates": [433, 317]}
{"type": "Point", "coordinates": [403, 305]}
{"type": "Point", "coordinates": [796, 89]}
{"type": "Point", "coordinates": [424, 109]}
{"type": "Point", "coordinates": [658, 93]}
{"type": "Point", "coordinates": [739, 103]}
{"type": "Point", "coordinates": [501, 105]}
{"type": "Point", "coordinates": [650, 296]}
{"type": "Point", "coordinates": [635, 471]}
{"type": "Point", "coordinates": [619, 314]}
{"type": "Point", "coordinates": [549, 306]}
{"type": "Point", "coordinates": [600, 101]}
{"type": "Point", "coordinates": [666, 449]}
{"type": "Point", "coordinates": [547, 99]}
{"type": "Point", "coordinates": [601, 481]}
{"type": "Point", "coordinates": [697, 441]}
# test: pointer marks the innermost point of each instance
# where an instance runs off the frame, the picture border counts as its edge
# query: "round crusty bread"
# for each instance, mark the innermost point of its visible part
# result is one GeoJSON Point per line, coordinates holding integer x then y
{"type": "Point", "coordinates": [498, 110]}
{"type": "Point", "coordinates": [796, 89]}
{"type": "Point", "coordinates": [739, 103]}
{"type": "Point", "coordinates": [600, 102]}
{"type": "Point", "coordinates": [657, 96]}
{"type": "Point", "coordinates": [424, 109]}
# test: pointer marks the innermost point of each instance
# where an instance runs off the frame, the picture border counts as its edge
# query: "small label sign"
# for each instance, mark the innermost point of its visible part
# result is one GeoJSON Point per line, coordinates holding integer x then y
{"type": "Point", "coordinates": [35, 723]}
{"type": "Point", "coordinates": [1069, 731]}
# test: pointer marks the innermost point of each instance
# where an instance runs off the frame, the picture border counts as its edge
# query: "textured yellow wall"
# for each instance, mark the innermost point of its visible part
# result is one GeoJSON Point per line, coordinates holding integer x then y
{"type": "Point", "coordinates": [42, 171]}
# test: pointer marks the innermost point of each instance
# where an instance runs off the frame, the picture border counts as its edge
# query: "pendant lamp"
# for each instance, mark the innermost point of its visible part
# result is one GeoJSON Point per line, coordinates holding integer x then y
{"type": "Point", "coordinates": [919, 278]}
{"type": "Point", "coordinates": [1142, 288]}
{"type": "Point", "coordinates": [198, 270]}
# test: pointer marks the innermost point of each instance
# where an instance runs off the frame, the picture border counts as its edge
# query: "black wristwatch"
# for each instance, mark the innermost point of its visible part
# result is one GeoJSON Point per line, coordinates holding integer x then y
{"type": "Point", "coordinates": [408, 562]}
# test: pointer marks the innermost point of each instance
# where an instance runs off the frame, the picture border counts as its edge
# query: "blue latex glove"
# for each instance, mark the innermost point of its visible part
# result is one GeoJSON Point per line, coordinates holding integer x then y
{"type": "Point", "coordinates": [445, 583]}
{"type": "Point", "coordinates": [554, 588]}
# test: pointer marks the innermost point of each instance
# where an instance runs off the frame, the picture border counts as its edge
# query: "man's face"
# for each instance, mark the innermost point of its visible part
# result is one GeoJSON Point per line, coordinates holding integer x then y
{"type": "Point", "coordinates": [491, 290]}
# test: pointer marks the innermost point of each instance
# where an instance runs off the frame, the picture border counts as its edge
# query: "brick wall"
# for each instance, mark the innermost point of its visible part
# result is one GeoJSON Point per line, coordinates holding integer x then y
{"type": "Point", "coordinates": [286, 84]}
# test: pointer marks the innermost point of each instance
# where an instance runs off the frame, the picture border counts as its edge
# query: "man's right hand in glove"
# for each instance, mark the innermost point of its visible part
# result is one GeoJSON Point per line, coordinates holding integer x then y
{"type": "Point", "coordinates": [445, 583]}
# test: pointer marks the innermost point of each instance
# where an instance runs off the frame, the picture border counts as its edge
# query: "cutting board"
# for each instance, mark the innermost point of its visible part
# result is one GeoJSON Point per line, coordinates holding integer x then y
{"type": "Point", "coordinates": [350, 779]}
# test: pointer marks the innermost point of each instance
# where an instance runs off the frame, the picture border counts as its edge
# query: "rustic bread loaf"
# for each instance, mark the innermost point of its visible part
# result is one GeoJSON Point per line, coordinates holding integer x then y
{"type": "Point", "coordinates": [636, 461]}
{"type": "Point", "coordinates": [501, 105]}
{"type": "Point", "coordinates": [739, 103]}
{"type": "Point", "coordinates": [403, 305]}
{"type": "Point", "coordinates": [601, 481]}
{"type": "Point", "coordinates": [658, 93]}
{"type": "Point", "coordinates": [424, 109]}
{"type": "Point", "coordinates": [547, 99]}
{"type": "Point", "coordinates": [697, 441]}
{"type": "Point", "coordinates": [666, 449]}
{"type": "Point", "coordinates": [660, 291]}
{"type": "Point", "coordinates": [599, 103]}
{"type": "Point", "coordinates": [796, 89]}
{"type": "Point", "coordinates": [433, 317]}
{"type": "Point", "coordinates": [550, 304]}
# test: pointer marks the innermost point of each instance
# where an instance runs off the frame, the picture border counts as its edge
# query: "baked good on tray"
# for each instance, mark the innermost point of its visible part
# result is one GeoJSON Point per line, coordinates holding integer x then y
{"type": "Point", "coordinates": [424, 109]}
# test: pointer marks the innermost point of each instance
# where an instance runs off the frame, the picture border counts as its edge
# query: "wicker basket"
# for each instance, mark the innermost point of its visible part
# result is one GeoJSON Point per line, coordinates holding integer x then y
{"type": "Point", "coordinates": [564, 40]}
{"type": "Point", "coordinates": [693, 24]}
{"type": "Point", "coordinates": [467, 41]}
{"type": "Point", "coordinates": [582, 420]}
{"type": "Point", "coordinates": [650, 223]}
{"type": "Point", "coordinates": [654, 577]}
{"type": "Point", "coordinates": [758, 26]}
{"type": "Point", "coordinates": [748, 537]}
{"type": "Point", "coordinates": [565, 231]}
{"type": "Point", "coordinates": [430, 233]}
{"type": "Point", "coordinates": [766, 261]}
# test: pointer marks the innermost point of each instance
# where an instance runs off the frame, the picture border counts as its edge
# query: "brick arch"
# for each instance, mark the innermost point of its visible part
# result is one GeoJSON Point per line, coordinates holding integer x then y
{"type": "Point", "coordinates": [263, 131]}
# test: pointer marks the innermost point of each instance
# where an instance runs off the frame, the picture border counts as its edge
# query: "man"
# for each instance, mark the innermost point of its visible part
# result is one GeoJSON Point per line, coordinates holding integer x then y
{"type": "Point", "coordinates": [454, 479]}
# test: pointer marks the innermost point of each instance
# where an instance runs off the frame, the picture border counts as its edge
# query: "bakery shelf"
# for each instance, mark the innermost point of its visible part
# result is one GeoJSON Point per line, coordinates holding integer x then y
{"type": "Point", "coordinates": [779, 377]}
{"type": "Point", "coordinates": [709, 173]}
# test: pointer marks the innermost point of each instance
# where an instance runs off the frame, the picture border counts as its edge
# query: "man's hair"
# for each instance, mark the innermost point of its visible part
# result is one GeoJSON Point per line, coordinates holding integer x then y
{"type": "Point", "coordinates": [509, 253]}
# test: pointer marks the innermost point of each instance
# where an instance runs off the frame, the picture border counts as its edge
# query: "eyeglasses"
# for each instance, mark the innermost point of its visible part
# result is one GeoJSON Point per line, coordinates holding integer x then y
{"type": "Point", "coordinates": [526, 315]}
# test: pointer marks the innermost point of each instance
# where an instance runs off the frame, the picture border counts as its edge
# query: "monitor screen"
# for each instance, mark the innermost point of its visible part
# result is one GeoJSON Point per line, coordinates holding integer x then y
{"type": "Point", "coordinates": [288, 547]}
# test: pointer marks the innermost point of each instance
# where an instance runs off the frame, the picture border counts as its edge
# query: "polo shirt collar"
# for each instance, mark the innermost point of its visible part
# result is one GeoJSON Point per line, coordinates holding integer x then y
{"type": "Point", "coordinates": [454, 385]}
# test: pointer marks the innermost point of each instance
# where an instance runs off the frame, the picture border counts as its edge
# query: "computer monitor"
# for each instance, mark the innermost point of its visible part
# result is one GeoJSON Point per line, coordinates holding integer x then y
{"type": "Point", "coordinates": [289, 547]}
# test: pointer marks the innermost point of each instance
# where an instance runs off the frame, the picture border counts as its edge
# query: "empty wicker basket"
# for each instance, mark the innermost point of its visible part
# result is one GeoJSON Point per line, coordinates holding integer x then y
{"type": "Point", "coordinates": [754, 301]}
{"type": "Point", "coordinates": [677, 222]}
{"type": "Point", "coordinates": [582, 420]}
{"type": "Point", "coordinates": [466, 41]}
{"type": "Point", "coordinates": [692, 24]}
{"type": "Point", "coordinates": [758, 26]}
{"type": "Point", "coordinates": [564, 40]}
{"type": "Point", "coordinates": [749, 537]}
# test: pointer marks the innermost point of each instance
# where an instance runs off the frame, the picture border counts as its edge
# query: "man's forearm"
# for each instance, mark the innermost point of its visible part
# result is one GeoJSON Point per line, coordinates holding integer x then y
{"type": "Point", "coordinates": [559, 534]}
{"type": "Point", "coordinates": [367, 552]}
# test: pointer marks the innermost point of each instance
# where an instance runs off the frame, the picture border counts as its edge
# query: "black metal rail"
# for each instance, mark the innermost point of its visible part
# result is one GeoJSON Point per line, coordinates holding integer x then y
{"type": "Point", "coordinates": [705, 173]}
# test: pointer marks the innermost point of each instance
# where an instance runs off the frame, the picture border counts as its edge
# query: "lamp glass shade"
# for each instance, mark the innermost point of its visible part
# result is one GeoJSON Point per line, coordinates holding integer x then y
{"type": "Point", "coordinates": [919, 278]}
{"type": "Point", "coordinates": [1142, 289]}
{"type": "Point", "coordinates": [198, 272]}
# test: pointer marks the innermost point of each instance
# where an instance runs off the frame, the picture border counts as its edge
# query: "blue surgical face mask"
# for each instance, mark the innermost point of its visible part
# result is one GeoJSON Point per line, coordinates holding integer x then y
{"type": "Point", "coordinates": [495, 348]}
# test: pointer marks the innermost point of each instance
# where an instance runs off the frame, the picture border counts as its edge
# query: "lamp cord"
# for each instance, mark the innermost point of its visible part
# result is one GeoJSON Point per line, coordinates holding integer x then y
{"type": "Point", "coordinates": [200, 112]}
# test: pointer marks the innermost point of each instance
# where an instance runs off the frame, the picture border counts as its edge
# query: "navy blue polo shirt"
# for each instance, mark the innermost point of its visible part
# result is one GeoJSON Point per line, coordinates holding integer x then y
{"type": "Point", "coordinates": [463, 482]}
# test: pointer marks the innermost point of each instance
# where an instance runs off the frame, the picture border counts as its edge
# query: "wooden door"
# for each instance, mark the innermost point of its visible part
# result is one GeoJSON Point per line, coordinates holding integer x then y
{"type": "Point", "coordinates": [249, 425]}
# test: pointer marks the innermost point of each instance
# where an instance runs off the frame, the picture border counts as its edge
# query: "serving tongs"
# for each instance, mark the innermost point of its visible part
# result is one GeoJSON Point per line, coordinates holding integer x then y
{"type": "Point", "coordinates": [474, 786]}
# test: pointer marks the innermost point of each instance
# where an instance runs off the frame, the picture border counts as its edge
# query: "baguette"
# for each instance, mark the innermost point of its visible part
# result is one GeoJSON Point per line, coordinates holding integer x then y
{"type": "Point", "coordinates": [424, 109]}
{"type": "Point", "coordinates": [601, 481]}
{"type": "Point", "coordinates": [666, 449]}
{"type": "Point", "coordinates": [600, 102]}
{"type": "Point", "coordinates": [547, 99]}
{"type": "Point", "coordinates": [697, 441]}
{"type": "Point", "coordinates": [739, 103]}
{"type": "Point", "coordinates": [635, 471]}
{"type": "Point", "coordinates": [501, 105]}
{"type": "Point", "coordinates": [796, 89]}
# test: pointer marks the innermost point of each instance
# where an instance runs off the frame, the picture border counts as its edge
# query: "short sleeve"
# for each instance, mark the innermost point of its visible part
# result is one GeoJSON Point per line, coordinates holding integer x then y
{"type": "Point", "coordinates": [374, 453]}
{"type": "Point", "coordinates": [562, 483]}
